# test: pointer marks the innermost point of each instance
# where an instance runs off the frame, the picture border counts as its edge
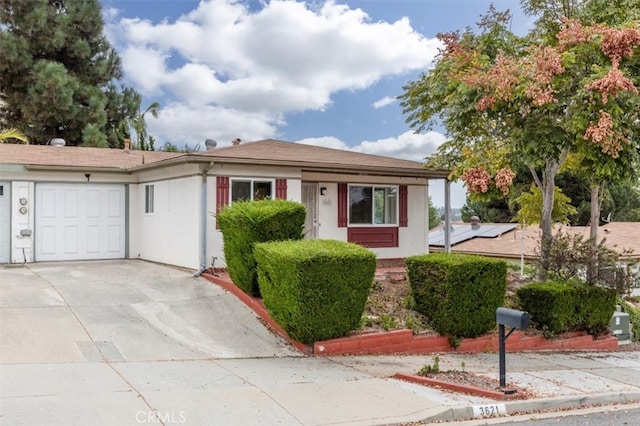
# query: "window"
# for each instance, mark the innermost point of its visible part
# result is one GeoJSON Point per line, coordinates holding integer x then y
{"type": "Point", "coordinates": [148, 198]}
{"type": "Point", "coordinates": [251, 190]}
{"type": "Point", "coordinates": [373, 205]}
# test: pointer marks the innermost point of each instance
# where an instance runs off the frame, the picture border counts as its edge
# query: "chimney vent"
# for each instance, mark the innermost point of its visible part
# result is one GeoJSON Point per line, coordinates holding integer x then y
{"type": "Point", "coordinates": [58, 142]}
{"type": "Point", "coordinates": [236, 141]}
{"type": "Point", "coordinates": [210, 144]}
{"type": "Point", "coordinates": [475, 222]}
{"type": "Point", "coordinates": [127, 145]}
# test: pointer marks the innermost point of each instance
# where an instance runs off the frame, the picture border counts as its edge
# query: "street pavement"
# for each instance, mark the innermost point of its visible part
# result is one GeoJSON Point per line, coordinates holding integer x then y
{"type": "Point", "coordinates": [132, 342]}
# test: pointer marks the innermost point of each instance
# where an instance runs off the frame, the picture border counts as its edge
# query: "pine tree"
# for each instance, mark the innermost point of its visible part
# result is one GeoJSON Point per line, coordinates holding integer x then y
{"type": "Point", "coordinates": [58, 71]}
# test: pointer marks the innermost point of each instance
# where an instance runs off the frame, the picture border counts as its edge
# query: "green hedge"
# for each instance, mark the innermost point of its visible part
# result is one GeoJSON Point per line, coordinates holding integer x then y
{"type": "Point", "coordinates": [634, 318]}
{"type": "Point", "coordinates": [245, 223]}
{"type": "Point", "coordinates": [458, 293]}
{"type": "Point", "coordinates": [568, 306]}
{"type": "Point", "coordinates": [315, 289]}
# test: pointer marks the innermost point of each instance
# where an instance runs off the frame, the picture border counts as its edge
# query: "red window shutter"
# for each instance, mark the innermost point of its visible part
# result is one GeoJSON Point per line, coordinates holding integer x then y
{"type": "Point", "coordinates": [281, 189]}
{"type": "Point", "coordinates": [343, 201]}
{"type": "Point", "coordinates": [404, 216]}
{"type": "Point", "coordinates": [222, 193]}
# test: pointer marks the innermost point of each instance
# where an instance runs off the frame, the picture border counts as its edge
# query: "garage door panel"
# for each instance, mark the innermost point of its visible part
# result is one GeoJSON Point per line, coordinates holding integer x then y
{"type": "Point", "coordinates": [71, 200]}
{"type": "Point", "coordinates": [71, 237]}
{"type": "Point", "coordinates": [93, 239]}
{"type": "Point", "coordinates": [79, 221]}
{"type": "Point", "coordinates": [48, 203]}
{"type": "Point", "coordinates": [47, 239]}
{"type": "Point", "coordinates": [5, 222]}
{"type": "Point", "coordinates": [113, 204]}
{"type": "Point", "coordinates": [93, 204]}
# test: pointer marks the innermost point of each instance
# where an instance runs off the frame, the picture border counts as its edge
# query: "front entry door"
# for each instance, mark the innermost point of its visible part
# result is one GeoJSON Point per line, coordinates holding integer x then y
{"type": "Point", "coordinates": [310, 201]}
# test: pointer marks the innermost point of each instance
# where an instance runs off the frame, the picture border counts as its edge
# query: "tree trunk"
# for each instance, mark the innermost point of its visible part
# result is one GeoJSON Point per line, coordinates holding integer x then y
{"type": "Point", "coordinates": [546, 220]}
{"type": "Point", "coordinates": [592, 267]}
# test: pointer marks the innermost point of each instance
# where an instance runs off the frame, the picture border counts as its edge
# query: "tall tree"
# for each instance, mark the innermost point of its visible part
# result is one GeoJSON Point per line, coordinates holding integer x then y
{"type": "Point", "coordinates": [535, 98]}
{"type": "Point", "coordinates": [57, 73]}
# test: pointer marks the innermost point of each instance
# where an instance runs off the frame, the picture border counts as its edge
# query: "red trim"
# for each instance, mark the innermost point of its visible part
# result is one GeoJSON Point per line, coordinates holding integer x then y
{"type": "Point", "coordinates": [222, 193]}
{"type": "Point", "coordinates": [343, 202]}
{"type": "Point", "coordinates": [404, 197]}
{"type": "Point", "coordinates": [373, 236]}
{"type": "Point", "coordinates": [281, 189]}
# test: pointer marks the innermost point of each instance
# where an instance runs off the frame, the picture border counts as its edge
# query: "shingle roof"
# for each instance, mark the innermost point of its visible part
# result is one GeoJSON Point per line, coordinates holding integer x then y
{"type": "Point", "coordinates": [73, 156]}
{"type": "Point", "coordinates": [618, 236]}
{"type": "Point", "coordinates": [266, 152]}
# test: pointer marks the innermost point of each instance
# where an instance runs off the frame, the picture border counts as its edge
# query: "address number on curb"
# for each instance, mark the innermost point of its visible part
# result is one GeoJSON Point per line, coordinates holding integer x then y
{"type": "Point", "coordinates": [489, 410]}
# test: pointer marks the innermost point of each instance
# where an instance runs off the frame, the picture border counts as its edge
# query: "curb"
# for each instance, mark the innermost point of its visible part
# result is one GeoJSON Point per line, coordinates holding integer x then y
{"type": "Point", "coordinates": [456, 387]}
{"type": "Point", "coordinates": [532, 405]}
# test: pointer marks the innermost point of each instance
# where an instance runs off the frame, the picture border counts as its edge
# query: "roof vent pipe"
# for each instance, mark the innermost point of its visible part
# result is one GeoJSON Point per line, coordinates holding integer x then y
{"type": "Point", "coordinates": [57, 142]}
{"type": "Point", "coordinates": [210, 144]}
{"type": "Point", "coordinates": [475, 222]}
{"type": "Point", "coordinates": [236, 141]}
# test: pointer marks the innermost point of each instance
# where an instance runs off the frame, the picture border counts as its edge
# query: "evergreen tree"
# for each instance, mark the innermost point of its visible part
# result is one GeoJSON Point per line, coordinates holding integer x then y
{"type": "Point", "coordinates": [57, 74]}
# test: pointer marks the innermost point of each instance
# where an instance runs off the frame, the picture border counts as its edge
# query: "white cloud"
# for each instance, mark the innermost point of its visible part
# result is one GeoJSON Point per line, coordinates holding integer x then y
{"type": "Point", "coordinates": [409, 146]}
{"type": "Point", "coordinates": [380, 103]}
{"type": "Point", "coordinates": [288, 56]}
{"type": "Point", "coordinates": [178, 123]}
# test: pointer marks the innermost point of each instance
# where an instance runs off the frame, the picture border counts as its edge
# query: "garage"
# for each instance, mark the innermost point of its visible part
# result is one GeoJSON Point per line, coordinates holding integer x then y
{"type": "Point", "coordinates": [5, 221]}
{"type": "Point", "coordinates": [79, 221]}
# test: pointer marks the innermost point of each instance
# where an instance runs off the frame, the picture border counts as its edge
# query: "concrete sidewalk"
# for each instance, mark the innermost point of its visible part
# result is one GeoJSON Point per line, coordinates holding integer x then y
{"type": "Point", "coordinates": [128, 342]}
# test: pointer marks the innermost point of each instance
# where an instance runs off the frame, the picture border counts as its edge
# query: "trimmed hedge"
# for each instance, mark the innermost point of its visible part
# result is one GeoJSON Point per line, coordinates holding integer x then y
{"type": "Point", "coordinates": [458, 293]}
{"type": "Point", "coordinates": [568, 306]}
{"type": "Point", "coordinates": [245, 223]}
{"type": "Point", "coordinates": [315, 289]}
{"type": "Point", "coordinates": [634, 318]}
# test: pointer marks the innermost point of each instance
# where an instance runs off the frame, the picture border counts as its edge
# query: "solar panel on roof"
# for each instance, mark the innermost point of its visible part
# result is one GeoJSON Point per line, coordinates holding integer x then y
{"type": "Point", "coordinates": [466, 231]}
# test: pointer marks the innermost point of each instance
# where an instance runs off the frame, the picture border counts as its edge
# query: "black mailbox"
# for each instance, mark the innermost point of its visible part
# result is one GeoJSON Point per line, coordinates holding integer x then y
{"type": "Point", "coordinates": [513, 318]}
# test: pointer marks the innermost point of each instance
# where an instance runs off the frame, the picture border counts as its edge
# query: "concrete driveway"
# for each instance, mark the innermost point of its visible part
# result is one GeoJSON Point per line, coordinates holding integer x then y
{"type": "Point", "coordinates": [124, 311]}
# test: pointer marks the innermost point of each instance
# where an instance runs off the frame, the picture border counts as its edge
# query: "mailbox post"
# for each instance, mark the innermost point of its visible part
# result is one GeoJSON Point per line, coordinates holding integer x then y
{"type": "Point", "coordinates": [515, 320]}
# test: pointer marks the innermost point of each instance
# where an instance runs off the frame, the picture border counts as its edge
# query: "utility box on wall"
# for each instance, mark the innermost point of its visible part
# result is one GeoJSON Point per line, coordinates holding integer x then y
{"type": "Point", "coordinates": [620, 325]}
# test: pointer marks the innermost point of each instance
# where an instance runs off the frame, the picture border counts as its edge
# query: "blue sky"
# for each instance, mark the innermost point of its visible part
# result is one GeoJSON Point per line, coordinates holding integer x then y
{"type": "Point", "coordinates": [318, 72]}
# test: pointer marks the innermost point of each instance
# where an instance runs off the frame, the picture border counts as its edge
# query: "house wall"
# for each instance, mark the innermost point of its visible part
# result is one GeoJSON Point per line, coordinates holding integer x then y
{"type": "Point", "coordinates": [22, 245]}
{"type": "Point", "coordinates": [171, 234]}
{"type": "Point", "coordinates": [215, 244]}
{"type": "Point", "coordinates": [412, 239]}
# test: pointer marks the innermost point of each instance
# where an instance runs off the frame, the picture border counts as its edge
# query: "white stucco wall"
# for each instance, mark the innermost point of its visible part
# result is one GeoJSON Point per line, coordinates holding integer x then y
{"type": "Point", "coordinates": [22, 246]}
{"type": "Point", "coordinates": [171, 234]}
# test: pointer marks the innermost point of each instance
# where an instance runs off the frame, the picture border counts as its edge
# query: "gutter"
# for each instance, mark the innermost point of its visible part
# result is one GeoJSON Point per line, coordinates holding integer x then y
{"type": "Point", "coordinates": [203, 220]}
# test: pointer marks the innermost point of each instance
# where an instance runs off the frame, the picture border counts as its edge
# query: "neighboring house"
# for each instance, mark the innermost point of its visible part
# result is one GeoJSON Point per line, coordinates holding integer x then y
{"type": "Point", "coordinates": [72, 203]}
{"type": "Point", "coordinates": [510, 241]}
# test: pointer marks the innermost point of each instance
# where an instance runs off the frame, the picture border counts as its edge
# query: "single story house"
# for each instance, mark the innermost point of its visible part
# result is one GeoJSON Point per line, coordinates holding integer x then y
{"type": "Point", "coordinates": [73, 203]}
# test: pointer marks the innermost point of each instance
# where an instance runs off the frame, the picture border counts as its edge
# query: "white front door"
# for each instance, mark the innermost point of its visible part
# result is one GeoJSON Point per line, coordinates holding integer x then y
{"type": "Point", "coordinates": [79, 221]}
{"type": "Point", "coordinates": [5, 222]}
{"type": "Point", "coordinates": [310, 201]}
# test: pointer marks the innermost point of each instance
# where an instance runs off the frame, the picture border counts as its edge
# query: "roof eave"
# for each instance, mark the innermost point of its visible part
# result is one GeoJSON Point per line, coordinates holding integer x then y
{"type": "Point", "coordinates": [62, 168]}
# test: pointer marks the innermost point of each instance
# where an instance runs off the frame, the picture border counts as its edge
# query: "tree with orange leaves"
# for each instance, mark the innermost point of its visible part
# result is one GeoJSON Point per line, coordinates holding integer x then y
{"type": "Point", "coordinates": [503, 99]}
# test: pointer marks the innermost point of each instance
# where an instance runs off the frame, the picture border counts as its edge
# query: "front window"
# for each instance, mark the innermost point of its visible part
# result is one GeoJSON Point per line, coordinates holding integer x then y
{"type": "Point", "coordinates": [148, 199]}
{"type": "Point", "coordinates": [251, 189]}
{"type": "Point", "coordinates": [373, 205]}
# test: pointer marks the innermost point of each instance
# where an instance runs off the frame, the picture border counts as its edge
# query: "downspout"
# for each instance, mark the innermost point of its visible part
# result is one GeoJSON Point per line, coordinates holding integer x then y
{"type": "Point", "coordinates": [203, 221]}
{"type": "Point", "coordinates": [447, 216]}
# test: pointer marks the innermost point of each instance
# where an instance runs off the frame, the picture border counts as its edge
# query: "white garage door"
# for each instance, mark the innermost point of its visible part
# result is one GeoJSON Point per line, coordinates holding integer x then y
{"type": "Point", "coordinates": [5, 221]}
{"type": "Point", "coordinates": [79, 221]}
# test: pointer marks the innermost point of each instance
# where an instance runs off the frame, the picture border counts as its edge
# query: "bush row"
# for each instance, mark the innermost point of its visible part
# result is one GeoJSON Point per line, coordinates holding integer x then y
{"type": "Point", "coordinates": [568, 306]}
{"type": "Point", "coordinates": [315, 289]}
{"type": "Point", "coordinates": [459, 294]}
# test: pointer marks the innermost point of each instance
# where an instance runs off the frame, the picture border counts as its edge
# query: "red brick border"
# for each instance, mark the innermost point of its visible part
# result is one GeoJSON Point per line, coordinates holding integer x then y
{"type": "Point", "coordinates": [456, 387]}
{"type": "Point", "coordinates": [404, 342]}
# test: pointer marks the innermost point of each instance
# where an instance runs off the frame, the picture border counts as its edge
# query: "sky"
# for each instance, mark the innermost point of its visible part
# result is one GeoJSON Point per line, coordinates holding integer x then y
{"type": "Point", "coordinates": [318, 72]}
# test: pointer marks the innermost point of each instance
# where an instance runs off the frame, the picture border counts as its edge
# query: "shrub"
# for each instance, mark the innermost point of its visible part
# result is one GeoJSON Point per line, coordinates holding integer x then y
{"type": "Point", "coordinates": [634, 318]}
{"type": "Point", "coordinates": [568, 306]}
{"type": "Point", "coordinates": [459, 294]}
{"type": "Point", "coordinates": [315, 289]}
{"type": "Point", "coordinates": [245, 223]}
{"type": "Point", "coordinates": [550, 304]}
